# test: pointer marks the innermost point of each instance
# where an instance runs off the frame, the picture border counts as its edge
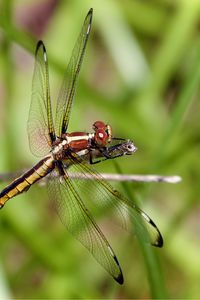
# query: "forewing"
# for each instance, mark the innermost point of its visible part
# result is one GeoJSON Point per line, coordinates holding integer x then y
{"type": "Point", "coordinates": [80, 223]}
{"type": "Point", "coordinates": [66, 94]}
{"type": "Point", "coordinates": [41, 132]}
{"type": "Point", "coordinates": [100, 196]}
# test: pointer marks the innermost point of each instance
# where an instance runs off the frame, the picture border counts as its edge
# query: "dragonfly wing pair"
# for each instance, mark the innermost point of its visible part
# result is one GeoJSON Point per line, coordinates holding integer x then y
{"type": "Point", "coordinates": [79, 221]}
{"type": "Point", "coordinates": [41, 132]}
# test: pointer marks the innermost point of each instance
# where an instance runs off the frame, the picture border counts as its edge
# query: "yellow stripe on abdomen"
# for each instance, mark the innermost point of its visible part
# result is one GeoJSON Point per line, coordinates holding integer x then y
{"type": "Point", "coordinates": [24, 182]}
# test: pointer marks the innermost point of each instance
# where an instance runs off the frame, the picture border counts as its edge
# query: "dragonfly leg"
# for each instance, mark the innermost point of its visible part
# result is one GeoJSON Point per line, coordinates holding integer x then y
{"type": "Point", "coordinates": [105, 153]}
{"type": "Point", "coordinates": [91, 158]}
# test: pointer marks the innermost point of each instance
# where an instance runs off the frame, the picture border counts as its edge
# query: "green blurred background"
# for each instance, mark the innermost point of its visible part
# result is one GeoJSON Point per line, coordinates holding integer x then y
{"type": "Point", "coordinates": [141, 73]}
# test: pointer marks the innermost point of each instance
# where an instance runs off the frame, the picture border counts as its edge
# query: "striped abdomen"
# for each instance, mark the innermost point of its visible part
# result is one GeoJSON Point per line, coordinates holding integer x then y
{"type": "Point", "coordinates": [24, 182]}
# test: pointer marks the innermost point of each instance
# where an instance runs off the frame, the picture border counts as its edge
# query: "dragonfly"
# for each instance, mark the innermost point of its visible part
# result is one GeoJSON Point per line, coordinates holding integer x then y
{"type": "Point", "coordinates": [62, 151]}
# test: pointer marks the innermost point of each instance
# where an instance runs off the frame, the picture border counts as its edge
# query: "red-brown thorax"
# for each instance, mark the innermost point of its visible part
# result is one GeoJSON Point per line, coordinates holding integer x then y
{"type": "Point", "coordinates": [82, 141]}
{"type": "Point", "coordinates": [77, 140]}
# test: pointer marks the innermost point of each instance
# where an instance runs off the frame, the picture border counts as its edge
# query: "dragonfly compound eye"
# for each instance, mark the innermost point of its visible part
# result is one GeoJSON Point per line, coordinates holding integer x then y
{"type": "Point", "coordinates": [101, 137]}
{"type": "Point", "coordinates": [102, 134]}
{"type": "Point", "coordinates": [99, 125]}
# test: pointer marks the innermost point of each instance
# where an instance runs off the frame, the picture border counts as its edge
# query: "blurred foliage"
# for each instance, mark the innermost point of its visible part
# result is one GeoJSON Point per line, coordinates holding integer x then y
{"type": "Point", "coordinates": [141, 74]}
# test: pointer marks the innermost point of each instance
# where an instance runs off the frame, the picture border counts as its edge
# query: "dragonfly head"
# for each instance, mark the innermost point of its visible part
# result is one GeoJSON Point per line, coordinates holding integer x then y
{"type": "Point", "coordinates": [102, 133]}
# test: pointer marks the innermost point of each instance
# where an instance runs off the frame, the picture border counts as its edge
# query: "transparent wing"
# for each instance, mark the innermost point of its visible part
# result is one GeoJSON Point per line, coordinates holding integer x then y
{"type": "Point", "coordinates": [41, 132]}
{"type": "Point", "coordinates": [66, 94]}
{"type": "Point", "coordinates": [80, 223]}
{"type": "Point", "coordinates": [100, 196]}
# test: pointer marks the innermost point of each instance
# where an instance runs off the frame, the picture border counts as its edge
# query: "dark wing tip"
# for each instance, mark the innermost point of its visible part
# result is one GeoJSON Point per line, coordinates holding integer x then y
{"type": "Point", "coordinates": [120, 279]}
{"type": "Point", "coordinates": [89, 16]}
{"type": "Point", "coordinates": [90, 12]}
{"type": "Point", "coordinates": [39, 45]}
{"type": "Point", "coordinates": [159, 240]}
